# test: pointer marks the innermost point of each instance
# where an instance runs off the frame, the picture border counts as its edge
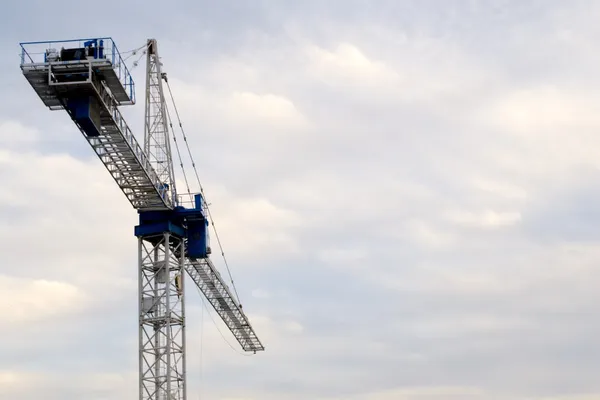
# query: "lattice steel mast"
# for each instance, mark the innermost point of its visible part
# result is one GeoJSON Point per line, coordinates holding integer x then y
{"type": "Point", "coordinates": [156, 127]}
{"type": "Point", "coordinates": [162, 317]}
{"type": "Point", "coordinates": [90, 81]}
{"type": "Point", "coordinates": [161, 261]}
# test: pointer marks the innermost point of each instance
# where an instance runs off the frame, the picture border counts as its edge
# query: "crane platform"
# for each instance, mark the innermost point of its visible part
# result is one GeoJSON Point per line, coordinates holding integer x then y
{"type": "Point", "coordinates": [53, 73]}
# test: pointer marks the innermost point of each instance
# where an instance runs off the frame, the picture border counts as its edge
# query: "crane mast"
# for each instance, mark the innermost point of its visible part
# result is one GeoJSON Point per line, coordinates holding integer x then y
{"type": "Point", "coordinates": [161, 261]}
{"type": "Point", "coordinates": [161, 316]}
{"type": "Point", "coordinates": [89, 80]}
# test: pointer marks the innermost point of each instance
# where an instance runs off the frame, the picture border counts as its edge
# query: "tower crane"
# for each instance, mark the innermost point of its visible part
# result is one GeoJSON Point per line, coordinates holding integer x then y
{"type": "Point", "coordinates": [88, 78]}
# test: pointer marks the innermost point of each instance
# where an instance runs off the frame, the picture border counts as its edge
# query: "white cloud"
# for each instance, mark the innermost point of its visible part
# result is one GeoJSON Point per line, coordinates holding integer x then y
{"type": "Point", "coordinates": [36, 300]}
{"type": "Point", "coordinates": [501, 189]}
{"type": "Point", "coordinates": [293, 327]}
{"type": "Point", "coordinates": [542, 131]}
{"type": "Point", "coordinates": [250, 226]}
{"type": "Point", "coordinates": [428, 235]}
{"type": "Point", "coordinates": [23, 385]}
{"type": "Point", "coordinates": [273, 111]}
{"type": "Point", "coordinates": [541, 111]}
{"type": "Point", "coordinates": [262, 116]}
{"type": "Point", "coordinates": [592, 396]}
{"type": "Point", "coordinates": [8, 378]}
{"type": "Point", "coordinates": [13, 133]}
{"type": "Point", "coordinates": [485, 219]}
{"type": "Point", "coordinates": [346, 65]}
{"type": "Point", "coordinates": [426, 392]}
{"type": "Point", "coordinates": [70, 210]}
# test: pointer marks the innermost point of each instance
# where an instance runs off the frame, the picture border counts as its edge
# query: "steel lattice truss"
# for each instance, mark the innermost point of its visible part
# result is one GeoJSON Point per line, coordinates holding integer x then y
{"type": "Point", "coordinates": [156, 127]}
{"type": "Point", "coordinates": [116, 145]}
{"type": "Point", "coordinates": [126, 162]}
{"type": "Point", "coordinates": [162, 318]}
{"type": "Point", "coordinates": [208, 279]}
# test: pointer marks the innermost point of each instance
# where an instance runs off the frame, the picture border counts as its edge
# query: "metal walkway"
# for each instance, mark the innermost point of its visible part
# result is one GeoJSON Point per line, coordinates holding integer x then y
{"type": "Point", "coordinates": [208, 279]}
{"type": "Point", "coordinates": [124, 158]}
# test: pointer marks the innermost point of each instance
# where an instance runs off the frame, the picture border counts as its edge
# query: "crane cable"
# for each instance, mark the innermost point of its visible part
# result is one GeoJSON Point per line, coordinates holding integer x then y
{"type": "Point", "coordinates": [200, 395]}
{"type": "Point", "coordinates": [207, 311]}
{"type": "Point", "coordinates": [187, 185]}
{"type": "Point", "coordinates": [137, 62]}
{"type": "Point", "coordinates": [134, 51]}
{"type": "Point", "coordinates": [205, 308]}
{"type": "Point", "coordinates": [202, 191]}
{"type": "Point", "coordinates": [189, 192]}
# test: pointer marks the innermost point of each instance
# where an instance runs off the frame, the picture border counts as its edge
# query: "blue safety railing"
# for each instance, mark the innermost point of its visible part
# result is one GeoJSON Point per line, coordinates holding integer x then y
{"type": "Point", "coordinates": [34, 53]}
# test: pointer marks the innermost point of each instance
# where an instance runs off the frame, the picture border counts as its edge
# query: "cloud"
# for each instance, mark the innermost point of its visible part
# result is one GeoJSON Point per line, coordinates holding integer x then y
{"type": "Point", "coordinates": [13, 133]}
{"type": "Point", "coordinates": [25, 385]}
{"type": "Point", "coordinates": [426, 392]}
{"type": "Point", "coordinates": [404, 192]}
{"type": "Point", "coordinates": [347, 66]}
{"type": "Point", "coordinates": [253, 225]}
{"type": "Point", "coordinates": [486, 219]}
{"type": "Point", "coordinates": [504, 190]}
{"type": "Point", "coordinates": [70, 198]}
{"type": "Point", "coordinates": [538, 110]}
{"type": "Point", "coordinates": [9, 378]}
{"type": "Point", "coordinates": [275, 111]}
{"type": "Point", "coordinates": [36, 300]}
{"type": "Point", "coordinates": [573, 397]}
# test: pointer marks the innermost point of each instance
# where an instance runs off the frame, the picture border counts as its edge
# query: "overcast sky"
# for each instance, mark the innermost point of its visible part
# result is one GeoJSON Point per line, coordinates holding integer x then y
{"type": "Point", "coordinates": [407, 192]}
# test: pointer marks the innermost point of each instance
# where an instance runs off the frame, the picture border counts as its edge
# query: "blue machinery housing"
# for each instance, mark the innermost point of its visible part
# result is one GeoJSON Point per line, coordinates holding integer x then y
{"type": "Point", "coordinates": [86, 112]}
{"type": "Point", "coordinates": [190, 224]}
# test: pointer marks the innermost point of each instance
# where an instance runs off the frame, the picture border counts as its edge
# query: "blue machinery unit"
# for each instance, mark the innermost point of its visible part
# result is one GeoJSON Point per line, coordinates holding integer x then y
{"type": "Point", "coordinates": [89, 80]}
{"type": "Point", "coordinates": [190, 224]}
